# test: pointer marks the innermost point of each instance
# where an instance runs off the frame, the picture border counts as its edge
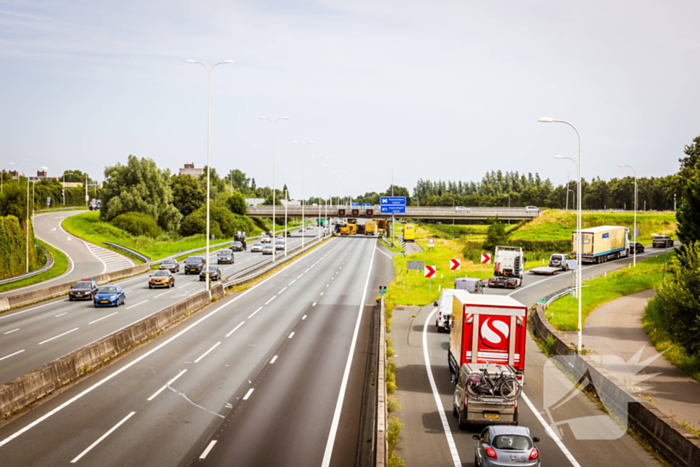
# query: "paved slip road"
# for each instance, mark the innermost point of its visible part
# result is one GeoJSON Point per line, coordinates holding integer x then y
{"type": "Point", "coordinates": [84, 259]}
{"type": "Point", "coordinates": [424, 439]}
{"type": "Point", "coordinates": [260, 373]}
{"type": "Point", "coordinates": [35, 335]}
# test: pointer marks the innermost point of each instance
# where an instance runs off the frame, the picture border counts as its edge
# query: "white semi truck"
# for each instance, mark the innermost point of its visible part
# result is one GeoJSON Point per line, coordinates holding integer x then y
{"type": "Point", "coordinates": [508, 265]}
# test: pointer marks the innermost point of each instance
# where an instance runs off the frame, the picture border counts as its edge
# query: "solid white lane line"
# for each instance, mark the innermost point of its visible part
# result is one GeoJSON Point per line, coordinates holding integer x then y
{"type": "Point", "coordinates": [101, 438]}
{"type": "Point", "coordinates": [100, 319]}
{"type": "Point", "coordinates": [160, 295]}
{"type": "Point", "coordinates": [60, 335]}
{"type": "Point", "coordinates": [441, 410]}
{"type": "Point", "coordinates": [95, 386]}
{"type": "Point", "coordinates": [247, 394]}
{"type": "Point", "coordinates": [234, 329]}
{"type": "Point", "coordinates": [291, 335]}
{"type": "Point", "coordinates": [206, 451]}
{"type": "Point", "coordinates": [303, 317]}
{"type": "Point", "coordinates": [274, 359]}
{"type": "Point", "coordinates": [270, 299]}
{"type": "Point", "coordinates": [549, 431]}
{"type": "Point", "coordinates": [314, 304]}
{"type": "Point", "coordinates": [64, 313]}
{"type": "Point", "coordinates": [388, 256]}
{"type": "Point", "coordinates": [282, 290]}
{"type": "Point", "coordinates": [166, 385]}
{"type": "Point", "coordinates": [139, 303]}
{"type": "Point", "coordinates": [253, 314]}
{"type": "Point", "coordinates": [11, 355]}
{"type": "Point", "coordinates": [291, 282]}
{"type": "Point", "coordinates": [10, 332]}
{"type": "Point", "coordinates": [207, 352]}
{"type": "Point", "coordinates": [343, 386]}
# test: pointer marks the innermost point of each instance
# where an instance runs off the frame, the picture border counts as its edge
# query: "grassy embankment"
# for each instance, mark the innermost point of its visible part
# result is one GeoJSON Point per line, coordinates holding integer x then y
{"type": "Point", "coordinates": [563, 313]}
{"type": "Point", "coordinates": [88, 227]}
{"type": "Point", "coordinates": [60, 266]}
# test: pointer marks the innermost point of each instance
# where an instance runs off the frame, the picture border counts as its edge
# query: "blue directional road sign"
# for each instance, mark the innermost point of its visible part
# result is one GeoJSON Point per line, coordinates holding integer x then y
{"type": "Point", "coordinates": [354, 204]}
{"type": "Point", "coordinates": [393, 201]}
{"type": "Point", "coordinates": [366, 205]}
{"type": "Point", "coordinates": [393, 209]}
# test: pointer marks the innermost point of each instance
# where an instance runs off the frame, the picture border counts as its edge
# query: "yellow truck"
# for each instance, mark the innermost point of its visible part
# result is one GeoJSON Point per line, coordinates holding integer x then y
{"type": "Point", "coordinates": [600, 244]}
{"type": "Point", "coordinates": [370, 227]}
{"type": "Point", "coordinates": [381, 226]}
{"type": "Point", "coordinates": [409, 233]}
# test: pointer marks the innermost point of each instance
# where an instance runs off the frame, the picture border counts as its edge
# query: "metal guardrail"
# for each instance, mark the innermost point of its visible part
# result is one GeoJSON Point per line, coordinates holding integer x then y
{"type": "Point", "coordinates": [142, 257]}
{"type": "Point", "coordinates": [49, 264]}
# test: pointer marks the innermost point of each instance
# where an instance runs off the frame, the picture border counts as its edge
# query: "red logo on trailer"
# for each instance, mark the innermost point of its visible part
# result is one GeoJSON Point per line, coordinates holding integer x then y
{"type": "Point", "coordinates": [494, 332]}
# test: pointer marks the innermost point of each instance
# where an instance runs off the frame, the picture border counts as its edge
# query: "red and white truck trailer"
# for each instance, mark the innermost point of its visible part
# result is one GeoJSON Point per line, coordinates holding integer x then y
{"type": "Point", "coordinates": [487, 339]}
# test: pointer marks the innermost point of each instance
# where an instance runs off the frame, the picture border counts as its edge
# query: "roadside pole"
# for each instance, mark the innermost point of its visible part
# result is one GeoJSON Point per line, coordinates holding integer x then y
{"type": "Point", "coordinates": [286, 227]}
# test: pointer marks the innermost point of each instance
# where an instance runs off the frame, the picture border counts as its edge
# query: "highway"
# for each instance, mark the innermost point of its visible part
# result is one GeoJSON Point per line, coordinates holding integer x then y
{"type": "Point", "coordinates": [37, 334]}
{"type": "Point", "coordinates": [84, 259]}
{"type": "Point", "coordinates": [429, 430]}
{"type": "Point", "coordinates": [269, 376]}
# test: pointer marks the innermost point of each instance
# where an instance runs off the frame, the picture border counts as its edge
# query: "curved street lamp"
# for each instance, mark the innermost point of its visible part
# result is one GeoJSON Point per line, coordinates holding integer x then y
{"type": "Point", "coordinates": [579, 168]}
{"type": "Point", "coordinates": [274, 145]}
{"type": "Point", "coordinates": [634, 231]}
{"type": "Point", "coordinates": [209, 69]}
{"type": "Point", "coordinates": [303, 200]}
{"type": "Point", "coordinates": [44, 168]}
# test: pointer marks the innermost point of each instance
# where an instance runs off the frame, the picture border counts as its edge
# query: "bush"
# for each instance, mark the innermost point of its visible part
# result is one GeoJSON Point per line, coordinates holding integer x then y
{"type": "Point", "coordinates": [236, 203]}
{"type": "Point", "coordinates": [137, 224]}
{"type": "Point", "coordinates": [676, 306]}
{"type": "Point", "coordinates": [223, 223]}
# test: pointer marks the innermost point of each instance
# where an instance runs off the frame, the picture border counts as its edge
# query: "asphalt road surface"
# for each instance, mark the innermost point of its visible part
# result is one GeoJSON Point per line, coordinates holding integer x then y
{"type": "Point", "coordinates": [84, 259]}
{"type": "Point", "coordinates": [37, 334]}
{"type": "Point", "coordinates": [264, 377]}
{"type": "Point", "coordinates": [431, 434]}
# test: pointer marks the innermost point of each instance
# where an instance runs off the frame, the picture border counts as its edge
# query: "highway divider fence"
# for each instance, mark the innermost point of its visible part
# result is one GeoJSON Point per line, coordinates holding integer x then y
{"type": "Point", "coordinates": [674, 443]}
{"type": "Point", "coordinates": [381, 441]}
{"type": "Point", "coordinates": [26, 298]}
{"type": "Point", "coordinates": [36, 384]}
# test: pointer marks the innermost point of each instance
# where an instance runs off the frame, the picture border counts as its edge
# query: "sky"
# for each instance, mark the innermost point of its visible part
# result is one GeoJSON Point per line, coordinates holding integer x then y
{"type": "Point", "coordinates": [439, 90]}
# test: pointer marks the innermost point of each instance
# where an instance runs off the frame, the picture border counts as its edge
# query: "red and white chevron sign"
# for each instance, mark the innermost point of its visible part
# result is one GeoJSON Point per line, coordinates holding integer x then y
{"type": "Point", "coordinates": [429, 271]}
{"type": "Point", "coordinates": [485, 258]}
{"type": "Point", "coordinates": [455, 264]}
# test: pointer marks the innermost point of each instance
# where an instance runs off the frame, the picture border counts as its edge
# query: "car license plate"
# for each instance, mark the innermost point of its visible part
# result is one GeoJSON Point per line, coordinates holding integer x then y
{"type": "Point", "coordinates": [78, 295]}
{"type": "Point", "coordinates": [193, 270]}
{"type": "Point", "coordinates": [491, 415]}
{"type": "Point", "coordinates": [104, 301]}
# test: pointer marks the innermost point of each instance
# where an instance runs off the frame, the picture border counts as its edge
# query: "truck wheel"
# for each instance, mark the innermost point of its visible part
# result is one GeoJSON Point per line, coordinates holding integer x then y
{"type": "Point", "coordinates": [462, 424]}
{"type": "Point", "coordinates": [455, 412]}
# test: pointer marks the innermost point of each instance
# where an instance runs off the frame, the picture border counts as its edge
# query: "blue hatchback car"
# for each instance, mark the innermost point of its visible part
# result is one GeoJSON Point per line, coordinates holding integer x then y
{"type": "Point", "coordinates": [109, 295]}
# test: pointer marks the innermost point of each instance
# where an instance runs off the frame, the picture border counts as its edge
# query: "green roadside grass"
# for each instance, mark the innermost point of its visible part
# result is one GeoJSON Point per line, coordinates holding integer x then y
{"type": "Point", "coordinates": [60, 266]}
{"type": "Point", "coordinates": [88, 227]}
{"type": "Point", "coordinates": [563, 313]}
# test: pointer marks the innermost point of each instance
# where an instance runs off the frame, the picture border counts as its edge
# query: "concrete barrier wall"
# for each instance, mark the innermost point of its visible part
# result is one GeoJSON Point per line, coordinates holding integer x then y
{"type": "Point", "coordinates": [22, 299]}
{"type": "Point", "coordinates": [31, 387]}
{"type": "Point", "coordinates": [382, 443]}
{"type": "Point", "coordinates": [675, 444]}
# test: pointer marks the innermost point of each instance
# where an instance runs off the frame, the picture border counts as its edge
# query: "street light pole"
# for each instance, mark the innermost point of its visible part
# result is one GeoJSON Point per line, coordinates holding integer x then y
{"type": "Point", "coordinates": [579, 168]}
{"type": "Point", "coordinates": [274, 148]}
{"type": "Point", "coordinates": [634, 231]}
{"type": "Point", "coordinates": [37, 168]}
{"type": "Point", "coordinates": [303, 200]}
{"type": "Point", "coordinates": [318, 205]}
{"type": "Point", "coordinates": [286, 201]}
{"type": "Point", "coordinates": [209, 70]}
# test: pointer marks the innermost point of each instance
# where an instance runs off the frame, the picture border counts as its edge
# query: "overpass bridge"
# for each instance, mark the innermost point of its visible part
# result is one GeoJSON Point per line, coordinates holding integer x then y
{"type": "Point", "coordinates": [412, 212]}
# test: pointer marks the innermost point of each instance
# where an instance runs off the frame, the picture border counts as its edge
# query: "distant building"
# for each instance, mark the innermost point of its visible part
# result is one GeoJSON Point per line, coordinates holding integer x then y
{"type": "Point", "coordinates": [72, 184]}
{"type": "Point", "coordinates": [190, 170]}
{"type": "Point", "coordinates": [40, 175]}
{"type": "Point", "coordinates": [254, 201]}
{"type": "Point", "coordinates": [14, 174]}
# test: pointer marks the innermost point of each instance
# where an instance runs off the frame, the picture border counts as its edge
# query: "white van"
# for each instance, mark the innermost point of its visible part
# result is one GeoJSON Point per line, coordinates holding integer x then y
{"type": "Point", "coordinates": [444, 309]}
{"type": "Point", "coordinates": [470, 285]}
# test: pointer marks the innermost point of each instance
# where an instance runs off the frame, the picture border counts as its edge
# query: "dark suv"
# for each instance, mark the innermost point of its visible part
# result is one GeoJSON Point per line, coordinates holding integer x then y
{"type": "Point", "coordinates": [83, 290]}
{"type": "Point", "coordinates": [194, 264]}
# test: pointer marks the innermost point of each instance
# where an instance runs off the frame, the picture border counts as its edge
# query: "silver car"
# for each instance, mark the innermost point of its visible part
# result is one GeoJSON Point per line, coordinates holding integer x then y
{"type": "Point", "coordinates": [256, 248]}
{"type": "Point", "coordinates": [267, 249]}
{"type": "Point", "coordinates": [279, 244]}
{"type": "Point", "coordinates": [500, 445]}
